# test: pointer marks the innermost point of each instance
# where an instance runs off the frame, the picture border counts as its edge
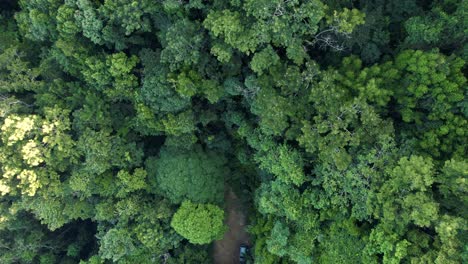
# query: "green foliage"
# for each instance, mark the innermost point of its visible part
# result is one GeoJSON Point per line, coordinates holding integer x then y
{"type": "Point", "coordinates": [36, 19]}
{"type": "Point", "coordinates": [264, 59]}
{"type": "Point", "coordinates": [277, 22]}
{"type": "Point", "coordinates": [115, 244]}
{"type": "Point", "coordinates": [347, 20]}
{"type": "Point", "coordinates": [16, 75]}
{"type": "Point", "coordinates": [112, 75]}
{"type": "Point", "coordinates": [284, 163]}
{"type": "Point", "coordinates": [442, 26]}
{"type": "Point", "coordinates": [199, 223]}
{"type": "Point", "coordinates": [342, 246]}
{"type": "Point", "coordinates": [30, 142]}
{"type": "Point", "coordinates": [182, 44]}
{"type": "Point", "coordinates": [89, 22]}
{"type": "Point", "coordinates": [131, 182]}
{"type": "Point", "coordinates": [189, 253]}
{"type": "Point", "coordinates": [195, 175]}
{"type": "Point", "coordinates": [279, 199]}
{"type": "Point", "coordinates": [429, 93]}
{"type": "Point", "coordinates": [452, 182]}
{"type": "Point", "coordinates": [278, 239]}
{"type": "Point", "coordinates": [410, 184]}
{"type": "Point", "coordinates": [340, 126]}
{"type": "Point", "coordinates": [227, 24]}
{"type": "Point", "coordinates": [272, 108]}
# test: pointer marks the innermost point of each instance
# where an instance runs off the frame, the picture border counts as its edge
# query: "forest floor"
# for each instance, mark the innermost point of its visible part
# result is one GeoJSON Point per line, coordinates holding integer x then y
{"type": "Point", "coordinates": [226, 250]}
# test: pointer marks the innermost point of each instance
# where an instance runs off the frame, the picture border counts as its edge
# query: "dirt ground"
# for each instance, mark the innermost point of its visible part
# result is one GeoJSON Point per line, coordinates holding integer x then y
{"type": "Point", "coordinates": [226, 251]}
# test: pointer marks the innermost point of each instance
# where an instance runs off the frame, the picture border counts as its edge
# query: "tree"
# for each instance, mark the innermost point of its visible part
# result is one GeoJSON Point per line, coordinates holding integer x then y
{"type": "Point", "coordinates": [273, 110]}
{"type": "Point", "coordinates": [182, 43]}
{"type": "Point", "coordinates": [195, 175]}
{"type": "Point", "coordinates": [36, 19]}
{"type": "Point", "coordinates": [411, 179]}
{"type": "Point", "coordinates": [199, 223]}
{"type": "Point", "coordinates": [452, 178]}
{"type": "Point", "coordinates": [15, 74]}
{"type": "Point", "coordinates": [112, 75]}
{"type": "Point", "coordinates": [263, 60]}
{"type": "Point", "coordinates": [343, 244]}
{"type": "Point", "coordinates": [29, 143]}
{"type": "Point", "coordinates": [341, 125]}
{"type": "Point", "coordinates": [283, 162]}
{"type": "Point", "coordinates": [116, 244]}
{"type": "Point", "coordinates": [280, 199]}
{"type": "Point", "coordinates": [429, 93]}
{"type": "Point", "coordinates": [279, 23]}
{"type": "Point", "coordinates": [439, 27]}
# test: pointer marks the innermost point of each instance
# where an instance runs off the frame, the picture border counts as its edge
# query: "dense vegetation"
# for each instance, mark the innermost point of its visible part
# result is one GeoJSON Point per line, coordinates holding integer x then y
{"type": "Point", "coordinates": [343, 126]}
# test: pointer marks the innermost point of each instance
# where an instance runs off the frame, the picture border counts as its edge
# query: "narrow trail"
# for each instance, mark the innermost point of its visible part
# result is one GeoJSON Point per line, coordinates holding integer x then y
{"type": "Point", "coordinates": [226, 250]}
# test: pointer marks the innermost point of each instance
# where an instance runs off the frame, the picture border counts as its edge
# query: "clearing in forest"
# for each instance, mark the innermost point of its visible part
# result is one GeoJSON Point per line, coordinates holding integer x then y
{"type": "Point", "coordinates": [226, 250]}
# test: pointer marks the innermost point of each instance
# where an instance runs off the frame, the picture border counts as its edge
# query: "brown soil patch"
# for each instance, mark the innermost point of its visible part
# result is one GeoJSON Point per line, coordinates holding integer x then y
{"type": "Point", "coordinates": [226, 250]}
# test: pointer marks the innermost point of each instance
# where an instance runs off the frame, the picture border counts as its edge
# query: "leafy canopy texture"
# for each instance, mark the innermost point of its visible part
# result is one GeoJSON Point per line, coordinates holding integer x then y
{"type": "Point", "coordinates": [199, 223]}
{"type": "Point", "coordinates": [340, 126]}
{"type": "Point", "coordinates": [194, 175]}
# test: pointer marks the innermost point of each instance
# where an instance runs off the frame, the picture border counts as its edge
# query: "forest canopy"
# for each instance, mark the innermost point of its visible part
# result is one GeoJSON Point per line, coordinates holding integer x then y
{"type": "Point", "coordinates": [341, 125]}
